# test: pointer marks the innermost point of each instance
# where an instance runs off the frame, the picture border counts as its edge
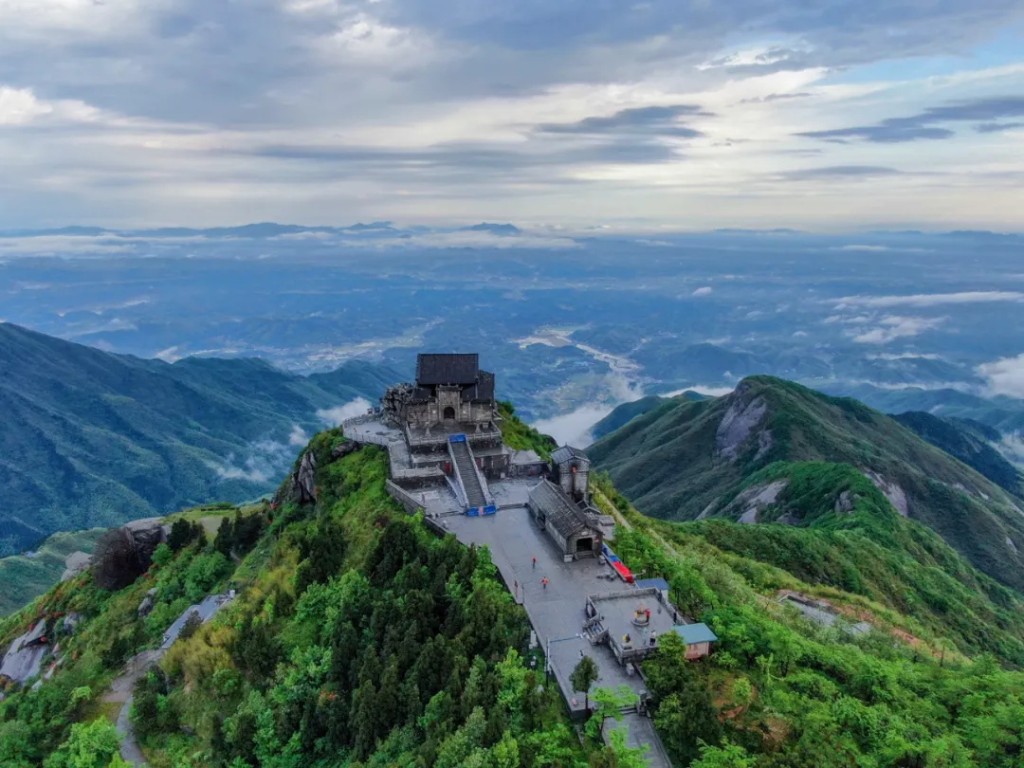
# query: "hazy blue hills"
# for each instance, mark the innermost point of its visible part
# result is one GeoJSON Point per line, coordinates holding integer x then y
{"type": "Point", "coordinates": [696, 460]}
{"type": "Point", "coordinates": [89, 438]}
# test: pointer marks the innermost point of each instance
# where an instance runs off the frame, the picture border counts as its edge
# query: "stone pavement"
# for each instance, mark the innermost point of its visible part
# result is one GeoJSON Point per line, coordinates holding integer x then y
{"type": "Point", "coordinates": [556, 612]}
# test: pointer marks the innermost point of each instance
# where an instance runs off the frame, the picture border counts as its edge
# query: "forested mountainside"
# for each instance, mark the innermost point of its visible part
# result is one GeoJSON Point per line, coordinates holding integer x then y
{"type": "Point", "coordinates": [360, 639]}
{"type": "Point", "coordinates": [691, 460]}
{"type": "Point", "coordinates": [623, 414]}
{"type": "Point", "coordinates": [89, 438]}
{"type": "Point", "coordinates": [970, 441]}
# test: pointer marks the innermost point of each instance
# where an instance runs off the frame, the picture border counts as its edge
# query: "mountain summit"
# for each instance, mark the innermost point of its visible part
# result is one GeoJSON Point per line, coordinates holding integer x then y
{"type": "Point", "coordinates": [695, 460]}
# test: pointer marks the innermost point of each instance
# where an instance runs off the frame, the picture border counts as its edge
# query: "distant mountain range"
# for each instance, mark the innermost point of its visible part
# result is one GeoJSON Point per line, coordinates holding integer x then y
{"type": "Point", "coordinates": [257, 230]}
{"type": "Point", "coordinates": [90, 439]}
{"type": "Point", "coordinates": [743, 455]}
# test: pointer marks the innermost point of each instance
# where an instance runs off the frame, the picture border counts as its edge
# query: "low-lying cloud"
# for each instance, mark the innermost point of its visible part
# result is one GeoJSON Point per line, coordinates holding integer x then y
{"type": "Point", "coordinates": [1005, 376]}
{"type": "Point", "coordinates": [298, 436]}
{"type": "Point", "coordinates": [929, 299]}
{"type": "Point", "coordinates": [339, 413]}
{"type": "Point", "coordinates": [574, 428]}
{"type": "Point", "coordinates": [894, 327]}
{"type": "Point", "coordinates": [266, 462]}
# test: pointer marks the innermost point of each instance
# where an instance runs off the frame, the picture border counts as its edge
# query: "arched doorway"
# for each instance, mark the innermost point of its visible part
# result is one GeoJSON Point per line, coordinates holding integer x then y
{"type": "Point", "coordinates": [449, 414]}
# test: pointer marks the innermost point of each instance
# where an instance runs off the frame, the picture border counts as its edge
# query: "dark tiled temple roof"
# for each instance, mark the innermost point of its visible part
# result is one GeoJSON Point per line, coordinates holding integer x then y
{"type": "Point", "coordinates": [434, 369]}
{"type": "Point", "coordinates": [559, 510]}
{"type": "Point", "coordinates": [483, 389]}
{"type": "Point", "coordinates": [567, 453]}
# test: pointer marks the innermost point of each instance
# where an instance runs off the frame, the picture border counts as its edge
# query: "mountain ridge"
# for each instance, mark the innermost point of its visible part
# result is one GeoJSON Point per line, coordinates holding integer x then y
{"type": "Point", "coordinates": [689, 460]}
{"type": "Point", "coordinates": [93, 438]}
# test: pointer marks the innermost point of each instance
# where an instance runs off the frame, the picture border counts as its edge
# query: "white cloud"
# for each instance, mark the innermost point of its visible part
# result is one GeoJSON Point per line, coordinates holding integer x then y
{"type": "Point", "coordinates": [169, 355]}
{"type": "Point", "coordinates": [334, 416]}
{"type": "Point", "coordinates": [894, 327]}
{"type": "Point", "coordinates": [704, 290]}
{"type": "Point", "coordinates": [1005, 376]}
{"type": "Point", "coordinates": [1012, 447]}
{"type": "Point", "coordinates": [434, 112]}
{"type": "Point", "coordinates": [865, 248]}
{"type": "Point", "coordinates": [710, 390]}
{"type": "Point", "coordinates": [267, 460]}
{"type": "Point", "coordinates": [905, 356]}
{"type": "Point", "coordinates": [298, 436]}
{"type": "Point", "coordinates": [574, 428]}
{"type": "Point", "coordinates": [929, 299]}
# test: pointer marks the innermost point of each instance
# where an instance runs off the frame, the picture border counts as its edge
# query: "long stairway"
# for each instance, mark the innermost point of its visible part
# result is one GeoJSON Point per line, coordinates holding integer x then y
{"type": "Point", "coordinates": [466, 469]}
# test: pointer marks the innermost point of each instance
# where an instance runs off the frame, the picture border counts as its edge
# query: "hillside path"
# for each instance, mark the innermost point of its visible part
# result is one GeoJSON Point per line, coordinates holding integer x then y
{"type": "Point", "coordinates": [122, 687]}
{"type": "Point", "coordinates": [121, 692]}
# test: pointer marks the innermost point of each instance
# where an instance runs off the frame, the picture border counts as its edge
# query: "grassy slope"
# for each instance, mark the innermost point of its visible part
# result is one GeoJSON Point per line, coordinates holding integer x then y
{"type": "Point", "coordinates": [23, 578]}
{"type": "Point", "coordinates": [666, 462]}
{"type": "Point", "coordinates": [90, 438]}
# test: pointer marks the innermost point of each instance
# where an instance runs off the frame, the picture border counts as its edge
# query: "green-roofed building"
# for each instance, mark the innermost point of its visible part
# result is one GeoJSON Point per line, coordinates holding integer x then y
{"type": "Point", "coordinates": [698, 639]}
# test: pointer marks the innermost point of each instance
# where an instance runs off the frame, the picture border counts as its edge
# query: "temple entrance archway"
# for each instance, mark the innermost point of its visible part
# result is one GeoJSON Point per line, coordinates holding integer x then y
{"type": "Point", "coordinates": [449, 414]}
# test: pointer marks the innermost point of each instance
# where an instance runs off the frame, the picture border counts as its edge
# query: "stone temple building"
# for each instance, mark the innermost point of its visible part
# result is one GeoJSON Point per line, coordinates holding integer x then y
{"type": "Point", "coordinates": [450, 392]}
{"type": "Point", "coordinates": [451, 401]}
{"type": "Point", "coordinates": [443, 432]}
{"type": "Point", "coordinates": [561, 505]}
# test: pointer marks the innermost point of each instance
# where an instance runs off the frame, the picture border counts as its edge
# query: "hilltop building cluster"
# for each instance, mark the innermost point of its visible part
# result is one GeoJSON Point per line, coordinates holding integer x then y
{"type": "Point", "coordinates": [448, 458]}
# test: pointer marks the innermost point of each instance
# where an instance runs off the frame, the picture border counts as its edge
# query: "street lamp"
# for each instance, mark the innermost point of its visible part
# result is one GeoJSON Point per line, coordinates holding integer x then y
{"type": "Point", "coordinates": [547, 651]}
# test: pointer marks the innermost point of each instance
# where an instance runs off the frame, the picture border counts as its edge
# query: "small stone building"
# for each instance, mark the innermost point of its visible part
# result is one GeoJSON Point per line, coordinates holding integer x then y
{"type": "Point", "coordinates": [573, 529]}
{"type": "Point", "coordinates": [698, 638]}
{"type": "Point", "coordinates": [570, 469]}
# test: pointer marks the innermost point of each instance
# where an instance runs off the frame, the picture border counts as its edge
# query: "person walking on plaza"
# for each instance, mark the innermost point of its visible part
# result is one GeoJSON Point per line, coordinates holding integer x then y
{"type": "Point", "coordinates": [544, 581]}
{"type": "Point", "coordinates": [535, 562]}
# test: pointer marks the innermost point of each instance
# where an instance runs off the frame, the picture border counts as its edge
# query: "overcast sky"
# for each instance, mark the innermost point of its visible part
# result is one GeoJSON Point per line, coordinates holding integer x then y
{"type": "Point", "coordinates": [665, 114]}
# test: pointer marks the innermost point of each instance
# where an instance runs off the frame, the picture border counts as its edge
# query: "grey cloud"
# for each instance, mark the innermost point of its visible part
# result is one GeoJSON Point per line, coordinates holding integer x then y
{"type": "Point", "coordinates": [840, 171]}
{"type": "Point", "coordinates": [658, 120]}
{"type": "Point", "coordinates": [926, 124]}
{"type": "Point", "coordinates": [775, 97]}
{"type": "Point", "coordinates": [255, 63]}
{"type": "Point", "coordinates": [457, 160]}
{"type": "Point", "coordinates": [997, 127]}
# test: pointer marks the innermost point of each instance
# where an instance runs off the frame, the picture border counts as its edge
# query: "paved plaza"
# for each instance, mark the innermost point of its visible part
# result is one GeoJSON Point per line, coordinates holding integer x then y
{"type": "Point", "coordinates": [557, 611]}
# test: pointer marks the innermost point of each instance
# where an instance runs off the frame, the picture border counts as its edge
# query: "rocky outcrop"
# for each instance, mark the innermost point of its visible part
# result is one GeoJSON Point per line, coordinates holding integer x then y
{"type": "Point", "coordinates": [304, 479]}
{"type": "Point", "coordinates": [24, 658]}
{"type": "Point", "coordinates": [844, 503]}
{"type": "Point", "coordinates": [892, 491]}
{"type": "Point", "coordinates": [738, 425]}
{"type": "Point", "coordinates": [146, 535]}
{"type": "Point", "coordinates": [74, 564]}
{"type": "Point", "coordinates": [147, 603]}
{"type": "Point", "coordinates": [756, 498]}
{"type": "Point", "coordinates": [344, 449]}
{"type": "Point", "coordinates": [123, 554]}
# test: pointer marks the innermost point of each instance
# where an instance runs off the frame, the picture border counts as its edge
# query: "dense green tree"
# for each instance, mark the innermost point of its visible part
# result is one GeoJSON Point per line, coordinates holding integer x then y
{"type": "Point", "coordinates": [583, 676]}
{"type": "Point", "coordinates": [90, 745]}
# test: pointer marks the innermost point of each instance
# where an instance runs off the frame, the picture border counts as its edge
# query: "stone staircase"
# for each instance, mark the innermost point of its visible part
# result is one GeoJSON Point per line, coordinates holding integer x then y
{"type": "Point", "coordinates": [465, 468]}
